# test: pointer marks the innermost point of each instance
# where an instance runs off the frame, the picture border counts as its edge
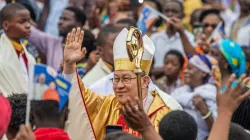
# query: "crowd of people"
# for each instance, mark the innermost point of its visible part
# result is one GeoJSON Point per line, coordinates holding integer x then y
{"type": "Point", "coordinates": [194, 84]}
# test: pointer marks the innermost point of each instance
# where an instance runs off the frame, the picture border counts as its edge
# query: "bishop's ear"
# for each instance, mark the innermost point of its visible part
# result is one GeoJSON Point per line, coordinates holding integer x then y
{"type": "Point", "coordinates": [145, 81]}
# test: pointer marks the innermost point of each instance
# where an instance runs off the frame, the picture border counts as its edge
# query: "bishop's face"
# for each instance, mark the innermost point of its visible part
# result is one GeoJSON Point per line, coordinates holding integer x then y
{"type": "Point", "coordinates": [125, 85]}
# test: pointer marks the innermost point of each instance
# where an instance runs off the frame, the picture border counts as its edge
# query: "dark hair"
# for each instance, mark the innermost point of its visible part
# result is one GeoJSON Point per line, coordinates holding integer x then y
{"type": "Point", "coordinates": [27, 4]}
{"type": "Point", "coordinates": [104, 33]}
{"type": "Point", "coordinates": [177, 1]}
{"type": "Point", "coordinates": [237, 133]}
{"type": "Point", "coordinates": [45, 110]}
{"type": "Point", "coordinates": [18, 105]}
{"type": "Point", "coordinates": [204, 1]}
{"type": "Point", "coordinates": [127, 21]}
{"type": "Point", "coordinates": [205, 13]}
{"type": "Point", "coordinates": [193, 16]}
{"type": "Point", "coordinates": [79, 14]}
{"type": "Point", "coordinates": [178, 54]}
{"type": "Point", "coordinates": [89, 42]}
{"type": "Point", "coordinates": [10, 10]}
{"type": "Point", "coordinates": [31, 10]}
{"type": "Point", "coordinates": [178, 125]}
{"type": "Point", "coordinates": [120, 136]}
{"type": "Point", "coordinates": [242, 115]}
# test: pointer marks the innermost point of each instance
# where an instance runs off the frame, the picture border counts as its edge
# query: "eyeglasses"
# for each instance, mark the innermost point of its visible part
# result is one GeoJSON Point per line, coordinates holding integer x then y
{"type": "Point", "coordinates": [115, 81]}
{"type": "Point", "coordinates": [205, 25]}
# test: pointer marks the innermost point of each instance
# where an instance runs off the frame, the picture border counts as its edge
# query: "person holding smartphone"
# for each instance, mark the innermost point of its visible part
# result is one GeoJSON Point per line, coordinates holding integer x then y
{"type": "Point", "coordinates": [208, 21]}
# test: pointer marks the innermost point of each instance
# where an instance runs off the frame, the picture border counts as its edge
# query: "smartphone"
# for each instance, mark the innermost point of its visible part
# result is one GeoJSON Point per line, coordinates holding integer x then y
{"type": "Point", "coordinates": [113, 128]}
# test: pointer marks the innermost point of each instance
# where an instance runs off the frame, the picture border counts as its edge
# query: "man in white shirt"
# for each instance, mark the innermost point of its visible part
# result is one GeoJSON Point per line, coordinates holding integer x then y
{"type": "Point", "coordinates": [175, 35]}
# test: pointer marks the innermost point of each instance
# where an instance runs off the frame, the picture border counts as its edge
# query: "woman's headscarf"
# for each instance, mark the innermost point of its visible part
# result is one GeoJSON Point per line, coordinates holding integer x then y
{"type": "Point", "coordinates": [234, 55]}
{"type": "Point", "coordinates": [206, 64]}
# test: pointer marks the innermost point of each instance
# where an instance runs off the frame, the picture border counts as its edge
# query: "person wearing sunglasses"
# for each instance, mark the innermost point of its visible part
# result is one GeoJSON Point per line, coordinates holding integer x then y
{"type": "Point", "coordinates": [208, 20]}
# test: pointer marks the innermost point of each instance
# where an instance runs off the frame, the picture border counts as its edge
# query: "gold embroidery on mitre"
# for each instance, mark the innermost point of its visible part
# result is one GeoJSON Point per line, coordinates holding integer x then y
{"type": "Point", "coordinates": [126, 64]}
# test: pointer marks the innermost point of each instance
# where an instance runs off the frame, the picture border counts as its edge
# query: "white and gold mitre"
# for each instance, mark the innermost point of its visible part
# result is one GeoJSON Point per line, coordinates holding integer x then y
{"type": "Point", "coordinates": [121, 58]}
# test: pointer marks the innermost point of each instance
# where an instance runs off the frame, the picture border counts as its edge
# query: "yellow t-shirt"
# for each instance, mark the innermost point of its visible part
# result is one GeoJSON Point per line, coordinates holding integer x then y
{"type": "Point", "coordinates": [189, 7]}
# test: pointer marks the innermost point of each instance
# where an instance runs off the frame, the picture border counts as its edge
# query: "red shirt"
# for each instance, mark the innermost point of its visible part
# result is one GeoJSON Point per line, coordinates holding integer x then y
{"type": "Point", "coordinates": [51, 134]}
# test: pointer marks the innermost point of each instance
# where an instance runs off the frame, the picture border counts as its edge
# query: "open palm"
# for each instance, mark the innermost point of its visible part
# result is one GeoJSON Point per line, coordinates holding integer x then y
{"type": "Point", "coordinates": [73, 51]}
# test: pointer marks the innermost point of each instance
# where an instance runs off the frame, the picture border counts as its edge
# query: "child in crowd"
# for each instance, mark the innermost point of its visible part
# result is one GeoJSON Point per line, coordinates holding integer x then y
{"type": "Point", "coordinates": [173, 65]}
{"type": "Point", "coordinates": [15, 60]}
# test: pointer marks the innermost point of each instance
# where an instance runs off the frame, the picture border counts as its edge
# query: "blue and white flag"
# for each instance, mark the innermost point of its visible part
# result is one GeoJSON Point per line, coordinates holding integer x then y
{"type": "Point", "coordinates": [147, 18]}
{"type": "Point", "coordinates": [46, 84]}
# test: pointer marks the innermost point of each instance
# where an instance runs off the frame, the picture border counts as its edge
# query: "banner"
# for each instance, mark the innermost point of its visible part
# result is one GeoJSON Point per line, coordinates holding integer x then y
{"type": "Point", "coordinates": [46, 84]}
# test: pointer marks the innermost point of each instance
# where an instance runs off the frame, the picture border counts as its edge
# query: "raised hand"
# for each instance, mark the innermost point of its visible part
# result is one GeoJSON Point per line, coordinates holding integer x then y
{"type": "Point", "coordinates": [137, 119]}
{"type": "Point", "coordinates": [204, 43]}
{"type": "Point", "coordinates": [135, 116]}
{"type": "Point", "coordinates": [227, 103]}
{"type": "Point", "coordinates": [230, 100]}
{"type": "Point", "coordinates": [176, 23]}
{"type": "Point", "coordinates": [73, 51]}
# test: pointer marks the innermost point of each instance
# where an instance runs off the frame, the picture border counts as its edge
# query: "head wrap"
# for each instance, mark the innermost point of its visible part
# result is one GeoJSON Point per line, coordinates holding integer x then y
{"type": "Point", "coordinates": [234, 55]}
{"type": "Point", "coordinates": [206, 64]}
{"type": "Point", "coordinates": [5, 111]}
{"type": "Point", "coordinates": [201, 62]}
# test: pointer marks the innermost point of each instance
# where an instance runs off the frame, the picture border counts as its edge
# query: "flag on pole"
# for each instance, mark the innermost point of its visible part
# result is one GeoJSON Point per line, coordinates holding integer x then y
{"type": "Point", "coordinates": [148, 17]}
{"type": "Point", "coordinates": [218, 33]}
